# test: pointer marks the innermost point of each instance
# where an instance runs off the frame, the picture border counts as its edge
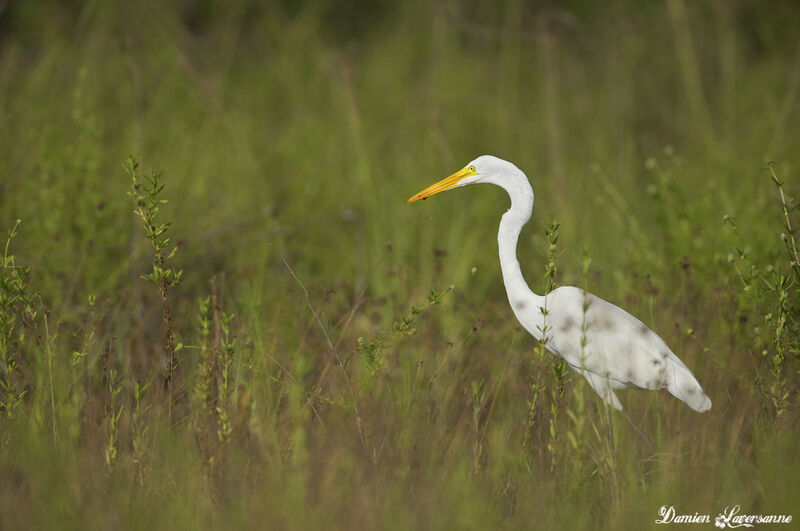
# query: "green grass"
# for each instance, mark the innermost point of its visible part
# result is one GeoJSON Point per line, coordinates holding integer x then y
{"type": "Point", "coordinates": [288, 136]}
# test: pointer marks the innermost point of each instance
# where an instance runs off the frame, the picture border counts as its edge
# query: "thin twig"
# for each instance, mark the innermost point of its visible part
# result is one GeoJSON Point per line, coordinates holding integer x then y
{"type": "Point", "coordinates": [453, 348]}
{"type": "Point", "coordinates": [499, 384]}
{"type": "Point", "coordinates": [610, 429]}
{"type": "Point", "coordinates": [644, 437]}
{"type": "Point", "coordinates": [790, 236]}
{"type": "Point", "coordinates": [333, 351]}
{"type": "Point", "coordinates": [359, 299]}
{"type": "Point", "coordinates": [50, 371]}
{"type": "Point", "coordinates": [289, 374]}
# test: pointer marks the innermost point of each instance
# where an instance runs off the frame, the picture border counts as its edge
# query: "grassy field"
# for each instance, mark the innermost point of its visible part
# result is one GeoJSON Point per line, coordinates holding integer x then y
{"type": "Point", "coordinates": [317, 354]}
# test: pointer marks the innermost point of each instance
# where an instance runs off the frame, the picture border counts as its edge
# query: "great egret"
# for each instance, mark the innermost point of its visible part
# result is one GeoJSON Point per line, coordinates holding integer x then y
{"type": "Point", "coordinates": [611, 348]}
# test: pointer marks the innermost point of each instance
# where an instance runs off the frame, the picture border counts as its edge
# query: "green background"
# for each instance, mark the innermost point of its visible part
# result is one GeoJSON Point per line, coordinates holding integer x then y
{"type": "Point", "coordinates": [296, 131]}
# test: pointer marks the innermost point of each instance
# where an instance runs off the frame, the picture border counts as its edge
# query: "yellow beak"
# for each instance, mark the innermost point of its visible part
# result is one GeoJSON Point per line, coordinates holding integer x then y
{"type": "Point", "coordinates": [445, 184]}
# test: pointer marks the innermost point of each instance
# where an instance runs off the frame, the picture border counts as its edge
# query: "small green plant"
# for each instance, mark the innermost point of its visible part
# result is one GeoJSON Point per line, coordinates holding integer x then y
{"type": "Point", "coordinates": [80, 355]}
{"type": "Point", "coordinates": [113, 410]}
{"type": "Point", "coordinates": [478, 403]}
{"type": "Point", "coordinates": [140, 430]}
{"type": "Point", "coordinates": [213, 385]}
{"type": "Point", "coordinates": [147, 201]}
{"type": "Point", "coordinates": [224, 385]}
{"type": "Point", "coordinates": [535, 388]}
{"type": "Point", "coordinates": [576, 433]}
{"type": "Point", "coordinates": [405, 326]}
{"type": "Point", "coordinates": [558, 367]}
{"type": "Point", "coordinates": [372, 352]}
{"type": "Point", "coordinates": [203, 385]}
{"type": "Point", "coordinates": [17, 313]}
{"type": "Point", "coordinates": [776, 289]}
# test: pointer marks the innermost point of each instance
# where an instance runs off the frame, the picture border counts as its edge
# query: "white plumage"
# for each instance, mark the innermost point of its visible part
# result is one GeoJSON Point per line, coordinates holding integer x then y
{"type": "Point", "coordinates": [611, 348]}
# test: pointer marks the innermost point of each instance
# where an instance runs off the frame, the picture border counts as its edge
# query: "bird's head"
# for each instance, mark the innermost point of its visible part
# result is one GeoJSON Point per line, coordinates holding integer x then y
{"type": "Point", "coordinates": [484, 169]}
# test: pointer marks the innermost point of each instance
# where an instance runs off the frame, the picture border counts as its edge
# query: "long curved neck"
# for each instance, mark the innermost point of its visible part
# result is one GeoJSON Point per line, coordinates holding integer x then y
{"type": "Point", "coordinates": [520, 296]}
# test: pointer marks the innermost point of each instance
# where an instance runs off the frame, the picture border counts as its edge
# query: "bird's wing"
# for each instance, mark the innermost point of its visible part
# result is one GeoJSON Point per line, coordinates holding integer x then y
{"type": "Point", "coordinates": [596, 336]}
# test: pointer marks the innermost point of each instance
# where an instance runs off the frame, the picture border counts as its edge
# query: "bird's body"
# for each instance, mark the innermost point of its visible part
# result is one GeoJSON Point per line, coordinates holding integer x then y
{"type": "Point", "coordinates": [608, 346]}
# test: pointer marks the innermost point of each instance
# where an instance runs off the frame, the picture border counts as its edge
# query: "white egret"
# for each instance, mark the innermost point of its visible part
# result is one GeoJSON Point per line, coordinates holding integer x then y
{"type": "Point", "coordinates": [611, 348]}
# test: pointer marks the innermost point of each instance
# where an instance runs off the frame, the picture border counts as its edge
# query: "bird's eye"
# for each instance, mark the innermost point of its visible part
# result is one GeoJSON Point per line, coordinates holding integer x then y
{"type": "Point", "coordinates": [472, 169]}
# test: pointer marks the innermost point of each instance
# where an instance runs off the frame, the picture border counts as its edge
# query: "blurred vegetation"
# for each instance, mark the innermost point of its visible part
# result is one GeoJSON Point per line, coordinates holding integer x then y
{"type": "Point", "coordinates": [334, 357]}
